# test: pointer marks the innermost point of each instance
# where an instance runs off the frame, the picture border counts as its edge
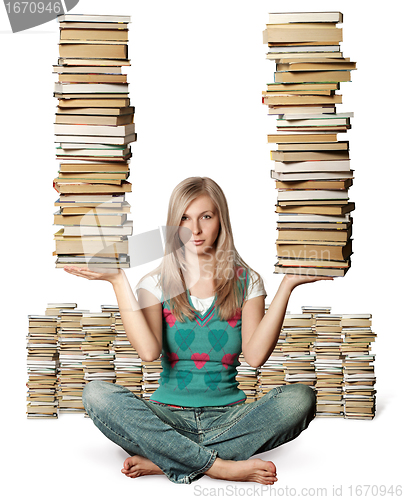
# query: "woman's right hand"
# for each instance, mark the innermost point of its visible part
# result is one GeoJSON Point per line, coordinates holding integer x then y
{"type": "Point", "coordinates": [111, 275]}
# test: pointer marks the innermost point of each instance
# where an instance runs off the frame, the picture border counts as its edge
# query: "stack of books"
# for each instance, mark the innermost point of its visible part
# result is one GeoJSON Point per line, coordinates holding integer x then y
{"type": "Point", "coordinates": [311, 166]}
{"type": "Point", "coordinates": [70, 373]}
{"type": "Point", "coordinates": [298, 336]}
{"type": "Point", "coordinates": [359, 377]}
{"type": "Point", "coordinates": [150, 377]}
{"type": "Point", "coordinates": [93, 128]}
{"type": "Point", "coordinates": [127, 363]}
{"type": "Point", "coordinates": [54, 309]}
{"type": "Point", "coordinates": [340, 354]}
{"type": "Point", "coordinates": [247, 379]}
{"type": "Point", "coordinates": [97, 347]}
{"type": "Point", "coordinates": [272, 373]}
{"type": "Point", "coordinates": [42, 363]}
{"type": "Point", "coordinates": [328, 364]}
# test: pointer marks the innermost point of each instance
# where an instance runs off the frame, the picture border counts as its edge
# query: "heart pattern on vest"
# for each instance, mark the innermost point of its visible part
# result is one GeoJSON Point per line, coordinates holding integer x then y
{"type": "Point", "coordinates": [183, 378]}
{"type": "Point", "coordinates": [184, 338]}
{"type": "Point", "coordinates": [200, 359]}
{"type": "Point", "coordinates": [212, 379]}
{"type": "Point", "coordinates": [233, 321]}
{"type": "Point", "coordinates": [172, 358]}
{"type": "Point", "coordinates": [218, 339]}
{"type": "Point", "coordinates": [169, 317]}
{"type": "Point", "coordinates": [228, 359]}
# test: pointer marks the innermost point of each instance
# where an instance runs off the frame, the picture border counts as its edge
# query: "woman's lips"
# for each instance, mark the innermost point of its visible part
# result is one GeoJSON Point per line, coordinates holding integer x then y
{"type": "Point", "coordinates": [197, 242]}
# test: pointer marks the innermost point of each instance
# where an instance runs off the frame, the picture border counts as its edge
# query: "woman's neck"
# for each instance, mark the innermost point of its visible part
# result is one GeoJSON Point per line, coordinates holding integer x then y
{"type": "Point", "coordinates": [200, 268]}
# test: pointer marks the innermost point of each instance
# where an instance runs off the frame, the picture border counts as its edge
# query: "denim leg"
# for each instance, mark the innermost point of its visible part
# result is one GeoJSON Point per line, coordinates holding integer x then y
{"type": "Point", "coordinates": [133, 424]}
{"type": "Point", "coordinates": [245, 430]}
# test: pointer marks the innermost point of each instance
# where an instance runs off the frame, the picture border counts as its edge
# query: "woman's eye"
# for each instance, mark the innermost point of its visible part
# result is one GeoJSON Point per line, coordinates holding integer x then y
{"type": "Point", "coordinates": [208, 216]}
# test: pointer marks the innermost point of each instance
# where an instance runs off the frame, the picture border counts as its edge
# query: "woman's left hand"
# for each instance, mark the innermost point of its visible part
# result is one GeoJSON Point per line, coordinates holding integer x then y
{"type": "Point", "coordinates": [293, 280]}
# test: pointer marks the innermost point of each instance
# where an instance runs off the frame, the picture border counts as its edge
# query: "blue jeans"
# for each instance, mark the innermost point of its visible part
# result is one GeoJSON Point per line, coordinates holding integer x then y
{"type": "Point", "coordinates": [184, 442]}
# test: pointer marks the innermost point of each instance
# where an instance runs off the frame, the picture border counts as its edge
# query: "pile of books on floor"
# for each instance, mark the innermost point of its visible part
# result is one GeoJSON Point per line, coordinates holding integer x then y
{"type": "Point", "coordinates": [127, 363]}
{"type": "Point", "coordinates": [311, 166]}
{"type": "Point", "coordinates": [359, 393]}
{"type": "Point", "coordinates": [335, 359]}
{"type": "Point", "coordinates": [97, 346]}
{"type": "Point", "coordinates": [272, 373]}
{"type": "Point", "coordinates": [93, 128]}
{"type": "Point", "coordinates": [299, 363]}
{"type": "Point", "coordinates": [150, 377]}
{"type": "Point", "coordinates": [71, 380]}
{"type": "Point", "coordinates": [328, 364]}
{"type": "Point", "coordinates": [42, 363]}
{"type": "Point", "coordinates": [247, 379]}
{"type": "Point", "coordinates": [68, 347]}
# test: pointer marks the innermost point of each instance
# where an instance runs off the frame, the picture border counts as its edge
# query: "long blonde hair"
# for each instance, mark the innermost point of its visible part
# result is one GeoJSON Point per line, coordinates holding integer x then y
{"type": "Point", "coordinates": [229, 293]}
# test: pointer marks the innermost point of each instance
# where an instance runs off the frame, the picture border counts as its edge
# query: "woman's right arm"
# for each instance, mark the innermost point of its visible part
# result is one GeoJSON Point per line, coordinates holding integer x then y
{"type": "Point", "coordinates": [141, 319]}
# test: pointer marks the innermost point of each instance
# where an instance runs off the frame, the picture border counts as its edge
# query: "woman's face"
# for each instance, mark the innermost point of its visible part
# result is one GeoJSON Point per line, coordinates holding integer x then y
{"type": "Point", "coordinates": [202, 219]}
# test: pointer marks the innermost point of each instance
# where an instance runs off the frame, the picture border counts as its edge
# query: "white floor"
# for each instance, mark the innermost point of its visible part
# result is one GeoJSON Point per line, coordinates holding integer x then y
{"type": "Point", "coordinates": [69, 458]}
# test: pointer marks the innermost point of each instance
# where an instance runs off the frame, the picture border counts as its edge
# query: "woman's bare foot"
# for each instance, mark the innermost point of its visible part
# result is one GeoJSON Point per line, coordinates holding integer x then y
{"type": "Point", "coordinates": [137, 466]}
{"type": "Point", "coordinates": [255, 470]}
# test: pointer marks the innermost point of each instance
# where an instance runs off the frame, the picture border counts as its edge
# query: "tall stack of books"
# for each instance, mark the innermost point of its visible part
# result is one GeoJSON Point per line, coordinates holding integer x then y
{"type": "Point", "coordinates": [328, 364]}
{"type": "Point", "coordinates": [97, 347]}
{"type": "Point", "coordinates": [127, 363]}
{"type": "Point", "coordinates": [247, 379]}
{"type": "Point", "coordinates": [359, 377]}
{"type": "Point", "coordinates": [311, 166]}
{"type": "Point", "coordinates": [94, 128]}
{"type": "Point", "coordinates": [42, 363]}
{"type": "Point", "coordinates": [71, 373]}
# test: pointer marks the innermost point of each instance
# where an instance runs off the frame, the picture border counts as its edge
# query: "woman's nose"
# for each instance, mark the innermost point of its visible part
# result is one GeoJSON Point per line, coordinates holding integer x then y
{"type": "Point", "coordinates": [196, 228]}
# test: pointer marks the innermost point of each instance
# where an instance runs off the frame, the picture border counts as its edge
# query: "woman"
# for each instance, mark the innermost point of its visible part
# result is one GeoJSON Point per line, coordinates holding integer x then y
{"type": "Point", "coordinates": [200, 308]}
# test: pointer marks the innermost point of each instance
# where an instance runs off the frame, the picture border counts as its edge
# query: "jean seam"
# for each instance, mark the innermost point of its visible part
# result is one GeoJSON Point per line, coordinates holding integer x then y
{"type": "Point", "coordinates": [208, 465]}
{"type": "Point", "coordinates": [229, 426]}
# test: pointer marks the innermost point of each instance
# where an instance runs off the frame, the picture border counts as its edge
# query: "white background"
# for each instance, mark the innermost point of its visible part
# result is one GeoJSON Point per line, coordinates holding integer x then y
{"type": "Point", "coordinates": [198, 69]}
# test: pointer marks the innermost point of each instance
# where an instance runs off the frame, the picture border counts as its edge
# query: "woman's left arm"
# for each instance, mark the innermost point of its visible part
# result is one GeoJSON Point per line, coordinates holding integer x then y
{"type": "Point", "coordinates": [260, 332]}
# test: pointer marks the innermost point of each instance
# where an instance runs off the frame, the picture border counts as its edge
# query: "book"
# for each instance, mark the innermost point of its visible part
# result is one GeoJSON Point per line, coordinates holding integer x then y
{"type": "Point", "coordinates": [301, 138]}
{"type": "Point", "coordinates": [317, 250]}
{"type": "Point", "coordinates": [93, 51]}
{"type": "Point", "coordinates": [94, 130]}
{"type": "Point", "coordinates": [309, 34]}
{"type": "Point", "coordinates": [93, 119]}
{"type": "Point", "coordinates": [67, 33]}
{"type": "Point", "coordinates": [91, 88]}
{"type": "Point", "coordinates": [315, 194]}
{"type": "Point", "coordinates": [92, 18]}
{"type": "Point", "coordinates": [312, 76]}
{"type": "Point", "coordinates": [337, 210]}
{"type": "Point", "coordinates": [305, 17]}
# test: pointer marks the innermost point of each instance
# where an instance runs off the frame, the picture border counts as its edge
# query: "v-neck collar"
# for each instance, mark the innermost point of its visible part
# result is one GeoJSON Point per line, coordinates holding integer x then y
{"type": "Point", "coordinates": [200, 315]}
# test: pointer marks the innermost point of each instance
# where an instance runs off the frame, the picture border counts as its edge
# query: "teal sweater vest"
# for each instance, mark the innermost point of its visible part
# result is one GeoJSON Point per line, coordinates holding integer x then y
{"type": "Point", "coordinates": [200, 356]}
